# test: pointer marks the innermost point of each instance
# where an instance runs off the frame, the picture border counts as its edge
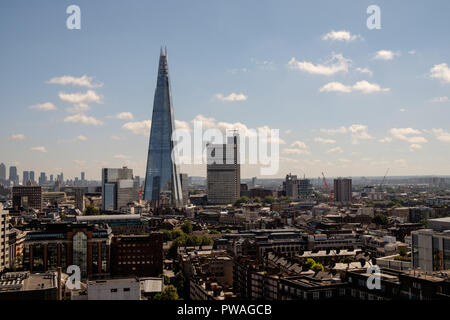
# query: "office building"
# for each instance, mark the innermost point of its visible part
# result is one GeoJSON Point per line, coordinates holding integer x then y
{"type": "Point", "coordinates": [119, 188]}
{"type": "Point", "coordinates": [4, 239]}
{"type": "Point", "coordinates": [184, 180]}
{"type": "Point", "coordinates": [13, 176]}
{"type": "Point", "coordinates": [305, 189]}
{"type": "Point", "coordinates": [2, 172]}
{"type": "Point", "coordinates": [162, 181]}
{"type": "Point", "coordinates": [223, 172]}
{"type": "Point", "coordinates": [25, 178]}
{"type": "Point", "coordinates": [61, 245]}
{"type": "Point", "coordinates": [137, 255]}
{"type": "Point", "coordinates": [42, 179]}
{"type": "Point", "coordinates": [290, 186]}
{"type": "Point", "coordinates": [79, 199]}
{"type": "Point", "coordinates": [32, 178]}
{"type": "Point", "coordinates": [27, 197]}
{"type": "Point", "coordinates": [83, 176]}
{"type": "Point", "coordinates": [25, 286]}
{"type": "Point", "coordinates": [431, 250]}
{"type": "Point", "coordinates": [343, 190]}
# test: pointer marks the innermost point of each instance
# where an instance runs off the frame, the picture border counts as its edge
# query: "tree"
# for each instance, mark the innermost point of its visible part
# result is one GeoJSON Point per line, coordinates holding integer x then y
{"type": "Point", "coordinates": [166, 279]}
{"type": "Point", "coordinates": [285, 199]}
{"type": "Point", "coordinates": [214, 231]}
{"type": "Point", "coordinates": [269, 199]}
{"type": "Point", "coordinates": [317, 267]}
{"type": "Point", "coordinates": [310, 263]}
{"type": "Point", "coordinates": [241, 200]}
{"type": "Point", "coordinates": [91, 211]}
{"type": "Point", "coordinates": [403, 251]}
{"type": "Point", "coordinates": [256, 200]}
{"type": "Point", "coordinates": [173, 250]}
{"type": "Point", "coordinates": [380, 219]}
{"type": "Point", "coordinates": [169, 293]}
{"type": "Point", "coordinates": [187, 227]}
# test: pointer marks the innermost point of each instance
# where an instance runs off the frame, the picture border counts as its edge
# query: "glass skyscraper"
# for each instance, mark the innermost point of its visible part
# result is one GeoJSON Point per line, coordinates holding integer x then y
{"type": "Point", "coordinates": [162, 181]}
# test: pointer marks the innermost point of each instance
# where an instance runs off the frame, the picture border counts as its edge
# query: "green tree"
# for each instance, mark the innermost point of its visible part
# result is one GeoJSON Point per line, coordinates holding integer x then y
{"type": "Point", "coordinates": [241, 200]}
{"type": "Point", "coordinates": [166, 279]}
{"type": "Point", "coordinates": [403, 251]}
{"type": "Point", "coordinates": [380, 219]}
{"type": "Point", "coordinates": [269, 199]}
{"type": "Point", "coordinates": [285, 199]}
{"type": "Point", "coordinates": [91, 211]}
{"type": "Point", "coordinates": [169, 293]}
{"type": "Point", "coordinates": [256, 200]}
{"type": "Point", "coordinates": [187, 227]}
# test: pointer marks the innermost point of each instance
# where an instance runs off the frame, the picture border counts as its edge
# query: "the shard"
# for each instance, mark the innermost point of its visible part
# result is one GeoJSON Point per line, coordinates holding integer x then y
{"type": "Point", "coordinates": [162, 180]}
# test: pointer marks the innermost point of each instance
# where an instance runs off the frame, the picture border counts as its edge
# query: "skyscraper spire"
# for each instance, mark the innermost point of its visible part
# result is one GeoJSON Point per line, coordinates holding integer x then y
{"type": "Point", "coordinates": [162, 180]}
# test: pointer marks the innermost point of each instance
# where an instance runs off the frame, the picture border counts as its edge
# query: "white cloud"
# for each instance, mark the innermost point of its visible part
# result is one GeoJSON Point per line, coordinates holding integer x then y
{"type": "Point", "coordinates": [441, 135]}
{"type": "Point", "coordinates": [335, 150]}
{"type": "Point", "coordinates": [80, 138]}
{"type": "Point", "coordinates": [402, 110]}
{"type": "Point", "coordinates": [401, 162]}
{"type": "Point", "coordinates": [78, 108]}
{"type": "Point", "coordinates": [440, 99]}
{"type": "Point", "coordinates": [365, 70]}
{"type": "Point", "coordinates": [336, 64]}
{"type": "Point", "coordinates": [414, 147]}
{"type": "Point", "coordinates": [322, 140]}
{"type": "Point", "coordinates": [385, 55]}
{"type": "Point", "coordinates": [182, 125]}
{"type": "Point", "coordinates": [83, 119]}
{"type": "Point", "coordinates": [138, 127]}
{"type": "Point", "coordinates": [406, 135]}
{"type": "Point", "coordinates": [341, 35]}
{"type": "Point", "coordinates": [39, 149]}
{"type": "Point", "coordinates": [441, 72]}
{"type": "Point", "coordinates": [83, 81]}
{"type": "Point", "coordinates": [17, 137]}
{"type": "Point", "coordinates": [341, 129]}
{"type": "Point", "coordinates": [124, 116]}
{"type": "Point", "coordinates": [47, 106]}
{"type": "Point", "coordinates": [360, 86]}
{"type": "Point", "coordinates": [297, 147]}
{"type": "Point", "coordinates": [79, 97]}
{"type": "Point", "coordinates": [386, 139]}
{"type": "Point", "coordinates": [359, 132]}
{"type": "Point", "coordinates": [412, 52]}
{"type": "Point", "coordinates": [231, 97]}
{"type": "Point", "coordinates": [120, 156]}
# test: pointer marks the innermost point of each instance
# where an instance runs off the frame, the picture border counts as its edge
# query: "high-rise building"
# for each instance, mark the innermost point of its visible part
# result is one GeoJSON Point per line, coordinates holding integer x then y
{"type": "Point", "coordinates": [119, 188]}
{"type": "Point", "coordinates": [83, 176]}
{"type": "Point", "coordinates": [79, 199]}
{"type": "Point", "coordinates": [42, 179]}
{"type": "Point", "coordinates": [13, 176]}
{"type": "Point", "coordinates": [51, 178]}
{"type": "Point", "coordinates": [343, 190]}
{"type": "Point", "coordinates": [184, 180]}
{"type": "Point", "coordinates": [32, 177]}
{"type": "Point", "coordinates": [430, 250]}
{"type": "Point", "coordinates": [223, 172]}
{"type": "Point", "coordinates": [4, 239]}
{"type": "Point", "coordinates": [2, 172]}
{"type": "Point", "coordinates": [305, 189]}
{"type": "Point", "coordinates": [162, 182]}
{"type": "Point", "coordinates": [27, 197]}
{"type": "Point", "coordinates": [25, 177]}
{"type": "Point", "coordinates": [290, 186]}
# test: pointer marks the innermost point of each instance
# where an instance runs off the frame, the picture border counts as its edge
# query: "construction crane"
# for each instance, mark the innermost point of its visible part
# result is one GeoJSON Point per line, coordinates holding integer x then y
{"type": "Point", "coordinates": [382, 181]}
{"type": "Point", "coordinates": [330, 195]}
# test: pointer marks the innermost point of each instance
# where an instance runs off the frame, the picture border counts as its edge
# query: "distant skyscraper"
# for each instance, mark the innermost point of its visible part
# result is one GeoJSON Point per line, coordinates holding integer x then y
{"type": "Point", "coordinates": [2, 172]}
{"type": "Point", "coordinates": [82, 176]}
{"type": "Point", "coordinates": [290, 186]}
{"type": "Point", "coordinates": [13, 176]}
{"type": "Point", "coordinates": [119, 188]}
{"type": "Point", "coordinates": [25, 177]}
{"type": "Point", "coordinates": [42, 178]}
{"type": "Point", "coordinates": [51, 178]}
{"type": "Point", "coordinates": [32, 177]}
{"type": "Point", "coordinates": [343, 190]}
{"type": "Point", "coordinates": [161, 178]}
{"type": "Point", "coordinates": [223, 172]}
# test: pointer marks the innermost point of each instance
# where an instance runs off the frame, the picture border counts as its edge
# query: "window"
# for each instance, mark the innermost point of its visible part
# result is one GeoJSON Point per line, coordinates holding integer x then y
{"type": "Point", "coordinates": [126, 289]}
{"type": "Point", "coordinates": [113, 290]}
{"type": "Point", "coordinates": [315, 295]}
{"type": "Point", "coordinates": [329, 293]}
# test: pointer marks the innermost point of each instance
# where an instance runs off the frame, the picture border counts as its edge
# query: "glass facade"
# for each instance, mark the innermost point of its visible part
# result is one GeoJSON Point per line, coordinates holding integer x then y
{"type": "Point", "coordinates": [80, 252]}
{"type": "Point", "coordinates": [161, 177]}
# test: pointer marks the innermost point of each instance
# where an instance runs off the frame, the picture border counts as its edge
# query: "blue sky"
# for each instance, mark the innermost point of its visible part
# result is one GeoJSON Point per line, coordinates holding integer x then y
{"type": "Point", "coordinates": [272, 55]}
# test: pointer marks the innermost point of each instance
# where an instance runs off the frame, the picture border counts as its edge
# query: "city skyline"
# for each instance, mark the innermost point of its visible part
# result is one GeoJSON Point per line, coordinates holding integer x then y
{"type": "Point", "coordinates": [354, 101]}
